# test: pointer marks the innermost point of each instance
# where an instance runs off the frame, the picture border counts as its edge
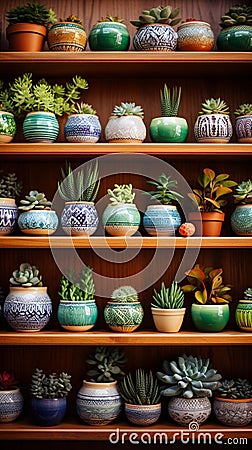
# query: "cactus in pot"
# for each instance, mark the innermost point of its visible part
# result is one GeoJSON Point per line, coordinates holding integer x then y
{"type": "Point", "coordinates": [243, 312]}
{"type": "Point", "coordinates": [36, 216]}
{"type": "Point", "coordinates": [167, 308]}
{"type": "Point", "coordinates": [213, 124]}
{"type": "Point", "coordinates": [126, 124]}
{"type": "Point", "coordinates": [10, 188]}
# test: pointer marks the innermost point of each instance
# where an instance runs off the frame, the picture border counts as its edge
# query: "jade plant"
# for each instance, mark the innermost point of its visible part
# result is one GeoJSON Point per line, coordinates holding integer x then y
{"type": "Point", "coordinates": [243, 192]}
{"type": "Point", "coordinates": [168, 298]}
{"type": "Point", "coordinates": [31, 13]}
{"type": "Point", "coordinates": [164, 193]}
{"type": "Point", "coordinates": [122, 193]}
{"type": "Point", "coordinates": [244, 110]}
{"type": "Point", "coordinates": [235, 389]}
{"type": "Point", "coordinates": [26, 276]}
{"type": "Point", "coordinates": [160, 14]}
{"type": "Point", "coordinates": [10, 186]}
{"type": "Point", "coordinates": [214, 106]}
{"type": "Point", "coordinates": [237, 15]}
{"type": "Point", "coordinates": [106, 364]}
{"type": "Point", "coordinates": [140, 389]}
{"type": "Point", "coordinates": [81, 184]}
{"type": "Point", "coordinates": [170, 102]}
{"type": "Point", "coordinates": [124, 294]}
{"type": "Point", "coordinates": [128, 109]}
{"type": "Point", "coordinates": [35, 200]}
{"type": "Point", "coordinates": [52, 386]}
{"type": "Point", "coordinates": [80, 288]}
{"type": "Point", "coordinates": [7, 381]}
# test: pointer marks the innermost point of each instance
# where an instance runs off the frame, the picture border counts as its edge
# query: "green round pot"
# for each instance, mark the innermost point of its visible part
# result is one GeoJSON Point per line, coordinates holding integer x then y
{"type": "Point", "coordinates": [243, 315]}
{"type": "Point", "coordinates": [235, 39]}
{"type": "Point", "coordinates": [168, 129]}
{"type": "Point", "coordinates": [109, 36]}
{"type": "Point", "coordinates": [7, 127]}
{"type": "Point", "coordinates": [123, 317]}
{"type": "Point", "coordinates": [122, 219]}
{"type": "Point", "coordinates": [210, 318]}
{"type": "Point", "coordinates": [77, 315]}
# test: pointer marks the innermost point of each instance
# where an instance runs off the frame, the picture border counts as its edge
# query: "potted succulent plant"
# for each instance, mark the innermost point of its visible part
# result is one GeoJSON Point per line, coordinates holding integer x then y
{"type": "Point", "coordinates": [155, 29]}
{"type": "Point", "coordinates": [213, 124]}
{"type": "Point", "coordinates": [243, 123]}
{"type": "Point", "coordinates": [77, 310]}
{"type": "Point", "coordinates": [169, 127]}
{"type": "Point", "coordinates": [67, 35]}
{"type": "Point", "coordinates": [236, 34]}
{"type": "Point", "coordinates": [167, 308]}
{"type": "Point", "coordinates": [243, 312]}
{"type": "Point", "coordinates": [37, 217]}
{"type": "Point", "coordinates": [79, 189]}
{"type": "Point", "coordinates": [98, 400]}
{"type": "Point", "coordinates": [2, 298]}
{"type": "Point", "coordinates": [189, 381]}
{"type": "Point", "coordinates": [28, 26]}
{"type": "Point", "coordinates": [209, 202]}
{"type": "Point", "coordinates": [27, 294]}
{"type": "Point", "coordinates": [123, 312]}
{"type": "Point", "coordinates": [241, 218]}
{"type": "Point", "coordinates": [195, 35]}
{"type": "Point", "coordinates": [7, 120]}
{"type": "Point", "coordinates": [10, 187]}
{"type": "Point", "coordinates": [163, 218]}
{"type": "Point", "coordinates": [109, 34]}
{"type": "Point", "coordinates": [141, 395]}
{"type": "Point", "coordinates": [11, 398]}
{"type": "Point", "coordinates": [121, 217]}
{"type": "Point", "coordinates": [49, 392]}
{"type": "Point", "coordinates": [83, 125]}
{"type": "Point", "coordinates": [211, 311]}
{"type": "Point", "coordinates": [232, 403]}
{"type": "Point", "coordinates": [126, 124]}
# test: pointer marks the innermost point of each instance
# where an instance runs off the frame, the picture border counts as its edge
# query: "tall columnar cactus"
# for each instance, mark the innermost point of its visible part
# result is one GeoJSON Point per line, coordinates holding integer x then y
{"type": "Point", "coordinates": [124, 294]}
{"type": "Point", "coordinates": [26, 276]}
{"type": "Point", "coordinates": [168, 298]}
{"type": "Point", "coordinates": [140, 389]}
{"type": "Point", "coordinates": [52, 386]}
{"type": "Point", "coordinates": [106, 364]}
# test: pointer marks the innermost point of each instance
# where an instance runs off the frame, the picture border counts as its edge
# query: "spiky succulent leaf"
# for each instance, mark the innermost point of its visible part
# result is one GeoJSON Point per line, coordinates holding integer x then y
{"type": "Point", "coordinates": [168, 298]}
{"type": "Point", "coordinates": [140, 389]}
{"type": "Point", "coordinates": [170, 102]}
{"type": "Point", "coordinates": [84, 108]}
{"type": "Point", "coordinates": [77, 287]}
{"type": "Point", "coordinates": [128, 109]}
{"type": "Point", "coordinates": [237, 389]}
{"type": "Point", "coordinates": [244, 110]}
{"type": "Point", "coordinates": [81, 184]}
{"type": "Point", "coordinates": [214, 106]}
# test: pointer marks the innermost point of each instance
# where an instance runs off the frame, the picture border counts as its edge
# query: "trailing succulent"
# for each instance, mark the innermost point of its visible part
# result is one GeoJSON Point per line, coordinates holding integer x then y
{"type": "Point", "coordinates": [26, 276]}
{"type": "Point", "coordinates": [244, 110]}
{"type": "Point", "coordinates": [239, 388]}
{"type": "Point", "coordinates": [243, 192]}
{"type": "Point", "coordinates": [188, 377]}
{"type": "Point", "coordinates": [168, 298]}
{"type": "Point", "coordinates": [124, 294]}
{"type": "Point", "coordinates": [248, 294]}
{"type": "Point", "coordinates": [52, 386]}
{"type": "Point", "coordinates": [237, 15]}
{"type": "Point", "coordinates": [122, 193]}
{"type": "Point", "coordinates": [7, 381]}
{"type": "Point", "coordinates": [140, 389]}
{"type": "Point", "coordinates": [78, 287]}
{"type": "Point", "coordinates": [35, 200]}
{"type": "Point", "coordinates": [214, 106]}
{"type": "Point", "coordinates": [106, 363]}
{"type": "Point", "coordinates": [128, 109]}
{"type": "Point", "coordinates": [31, 13]}
{"type": "Point", "coordinates": [81, 184]}
{"type": "Point", "coordinates": [164, 192]}
{"type": "Point", "coordinates": [10, 186]}
{"type": "Point", "coordinates": [160, 14]}
{"type": "Point", "coordinates": [170, 103]}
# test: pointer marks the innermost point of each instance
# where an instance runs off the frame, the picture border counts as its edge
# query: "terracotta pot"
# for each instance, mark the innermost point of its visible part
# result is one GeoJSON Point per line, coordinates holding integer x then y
{"type": "Point", "coordinates": [26, 37]}
{"type": "Point", "coordinates": [211, 222]}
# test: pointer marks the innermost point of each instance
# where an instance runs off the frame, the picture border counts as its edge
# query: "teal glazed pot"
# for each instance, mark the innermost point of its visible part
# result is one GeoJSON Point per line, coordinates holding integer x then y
{"type": "Point", "coordinates": [7, 127]}
{"type": "Point", "coordinates": [168, 129]}
{"type": "Point", "coordinates": [235, 39]}
{"type": "Point", "coordinates": [40, 127]}
{"type": "Point", "coordinates": [210, 318]}
{"type": "Point", "coordinates": [243, 315]}
{"type": "Point", "coordinates": [38, 222]}
{"type": "Point", "coordinates": [123, 317]}
{"type": "Point", "coordinates": [161, 220]}
{"type": "Point", "coordinates": [241, 220]}
{"type": "Point", "coordinates": [77, 315]}
{"type": "Point", "coordinates": [109, 36]}
{"type": "Point", "coordinates": [122, 219]}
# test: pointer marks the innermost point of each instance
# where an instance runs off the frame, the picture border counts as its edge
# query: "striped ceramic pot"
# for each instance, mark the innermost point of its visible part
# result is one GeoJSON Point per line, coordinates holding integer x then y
{"type": "Point", "coordinates": [39, 222]}
{"type": "Point", "coordinates": [7, 127]}
{"type": "Point", "coordinates": [82, 128]}
{"type": "Point", "coordinates": [123, 317]}
{"type": "Point", "coordinates": [122, 219]}
{"type": "Point", "coordinates": [8, 216]}
{"type": "Point", "coordinates": [143, 414]}
{"type": "Point", "coordinates": [40, 126]}
{"type": "Point", "coordinates": [195, 36]}
{"type": "Point", "coordinates": [77, 315]}
{"type": "Point", "coordinates": [161, 220]}
{"type": "Point", "coordinates": [11, 405]}
{"type": "Point", "coordinates": [67, 37]}
{"type": "Point", "coordinates": [243, 128]}
{"type": "Point", "coordinates": [243, 315]}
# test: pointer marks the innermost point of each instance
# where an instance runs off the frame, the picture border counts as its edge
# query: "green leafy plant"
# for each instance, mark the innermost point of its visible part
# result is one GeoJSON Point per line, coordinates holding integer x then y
{"type": "Point", "coordinates": [164, 192]}
{"type": "Point", "coordinates": [207, 285]}
{"type": "Point", "coordinates": [248, 294]}
{"type": "Point", "coordinates": [10, 186]}
{"type": "Point", "coordinates": [243, 192]}
{"type": "Point", "coordinates": [52, 386]}
{"type": "Point", "coordinates": [81, 184]}
{"type": "Point", "coordinates": [124, 294]}
{"type": "Point", "coordinates": [109, 18]}
{"type": "Point", "coordinates": [106, 364]}
{"type": "Point", "coordinates": [159, 14]}
{"type": "Point", "coordinates": [189, 377]}
{"type": "Point", "coordinates": [170, 102]}
{"type": "Point", "coordinates": [239, 388]}
{"type": "Point", "coordinates": [128, 109]}
{"type": "Point", "coordinates": [168, 298]}
{"type": "Point", "coordinates": [26, 276]}
{"type": "Point", "coordinates": [35, 200]}
{"type": "Point", "coordinates": [84, 108]}
{"type": "Point", "coordinates": [80, 288]}
{"type": "Point", "coordinates": [140, 389]}
{"type": "Point", "coordinates": [6, 100]}
{"type": "Point", "coordinates": [31, 13]}
{"type": "Point", "coordinates": [237, 15]}
{"type": "Point", "coordinates": [7, 381]}
{"type": "Point", "coordinates": [244, 110]}
{"type": "Point", "coordinates": [214, 106]}
{"type": "Point", "coordinates": [122, 193]}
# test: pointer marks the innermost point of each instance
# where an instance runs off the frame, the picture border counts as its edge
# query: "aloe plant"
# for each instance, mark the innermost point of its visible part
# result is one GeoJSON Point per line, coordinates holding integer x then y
{"type": "Point", "coordinates": [141, 388]}
{"type": "Point", "coordinates": [79, 185]}
{"type": "Point", "coordinates": [170, 102]}
{"type": "Point", "coordinates": [168, 298]}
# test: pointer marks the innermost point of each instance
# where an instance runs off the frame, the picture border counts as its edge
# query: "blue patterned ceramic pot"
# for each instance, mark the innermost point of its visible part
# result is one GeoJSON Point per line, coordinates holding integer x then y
{"type": "Point", "coordinates": [77, 315]}
{"type": "Point", "coordinates": [11, 405]}
{"type": "Point", "coordinates": [168, 129]}
{"type": "Point", "coordinates": [243, 128]}
{"type": "Point", "coordinates": [235, 39]}
{"type": "Point", "coordinates": [109, 36]}
{"type": "Point", "coordinates": [241, 220]}
{"type": "Point", "coordinates": [48, 412]}
{"type": "Point", "coordinates": [125, 129]}
{"type": "Point", "coordinates": [7, 127]}
{"type": "Point", "coordinates": [82, 128]}
{"type": "Point", "coordinates": [40, 222]}
{"type": "Point", "coordinates": [122, 219]}
{"type": "Point", "coordinates": [79, 218]}
{"type": "Point", "coordinates": [195, 36]}
{"type": "Point", "coordinates": [8, 216]}
{"type": "Point", "coordinates": [98, 403]}
{"type": "Point", "coordinates": [233, 412]}
{"type": "Point", "coordinates": [243, 315]}
{"type": "Point", "coordinates": [213, 128]}
{"type": "Point", "coordinates": [161, 220]}
{"type": "Point", "coordinates": [40, 127]}
{"type": "Point", "coordinates": [27, 309]}
{"type": "Point", "coordinates": [123, 317]}
{"type": "Point", "coordinates": [185, 410]}
{"type": "Point", "coordinates": [210, 318]}
{"type": "Point", "coordinates": [155, 37]}
{"type": "Point", "coordinates": [143, 414]}
{"type": "Point", "coordinates": [67, 37]}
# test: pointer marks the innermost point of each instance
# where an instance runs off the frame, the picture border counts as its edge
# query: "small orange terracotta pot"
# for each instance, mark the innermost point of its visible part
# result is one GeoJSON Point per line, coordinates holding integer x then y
{"type": "Point", "coordinates": [26, 37]}
{"type": "Point", "coordinates": [211, 222]}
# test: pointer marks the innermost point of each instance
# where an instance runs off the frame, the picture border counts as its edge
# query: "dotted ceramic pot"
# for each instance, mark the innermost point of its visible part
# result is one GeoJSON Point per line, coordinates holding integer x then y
{"type": "Point", "coordinates": [122, 219]}
{"type": "Point", "coordinates": [213, 128]}
{"type": "Point", "coordinates": [210, 318]}
{"type": "Point", "coordinates": [109, 36]}
{"type": "Point", "coordinates": [79, 218]}
{"type": "Point", "coordinates": [11, 405]}
{"type": "Point", "coordinates": [38, 222]}
{"type": "Point", "coordinates": [185, 410]}
{"type": "Point", "coordinates": [243, 315]}
{"type": "Point", "coordinates": [7, 127]}
{"type": "Point", "coordinates": [143, 414]}
{"type": "Point", "coordinates": [243, 129]}
{"type": "Point", "coordinates": [8, 216]}
{"type": "Point", "coordinates": [235, 39]}
{"type": "Point", "coordinates": [241, 220]}
{"type": "Point", "coordinates": [125, 129]}
{"type": "Point", "coordinates": [67, 37]}
{"type": "Point", "coordinates": [77, 315]}
{"type": "Point", "coordinates": [161, 220]}
{"type": "Point", "coordinates": [168, 129]}
{"type": "Point", "coordinates": [48, 412]}
{"type": "Point", "coordinates": [195, 36]}
{"type": "Point", "coordinates": [40, 127]}
{"type": "Point", "coordinates": [155, 37]}
{"type": "Point", "coordinates": [82, 128]}
{"type": "Point", "coordinates": [233, 412]}
{"type": "Point", "coordinates": [123, 317]}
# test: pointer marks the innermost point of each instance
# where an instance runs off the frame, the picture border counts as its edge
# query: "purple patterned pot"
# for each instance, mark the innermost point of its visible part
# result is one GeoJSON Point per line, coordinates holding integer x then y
{"type": "Point", "coordinates": [82, 128]}
{"type": "Point", "coordinates": [243, 129]}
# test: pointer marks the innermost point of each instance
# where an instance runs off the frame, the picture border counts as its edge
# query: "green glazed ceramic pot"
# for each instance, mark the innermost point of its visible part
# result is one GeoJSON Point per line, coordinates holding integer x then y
{"type": "Point", "coordinates": [7, 127]}
{"type": "Point", "coordinates": [243, 315]}
{"type": "Point", "coordinates": [122, 219]}
{"type": "Point", "coordinates": [109, 36]}
{"type": "Point", "coordinates": [123, 317]}
{"type": "Point", "coordinates": [40, 126]}
{"type": "Point", "coordinates": [235, 39]}
{"type": "Point", "coordinates": [241, 220]}
{"type": "Point", "coordinates": [168, 129]}
{"type": "Point", "coordinates": [77, 315]}
{"type": "Point", "coordinates": [210, 318]}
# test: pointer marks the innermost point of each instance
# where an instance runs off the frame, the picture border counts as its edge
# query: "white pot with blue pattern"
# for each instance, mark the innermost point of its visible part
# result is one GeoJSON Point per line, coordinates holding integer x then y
{"type": "Point", "coordinates": [8, 216]}
{"type": "Point", "coordinates": [79, 218]}
{"type": "Point", "coordinates": [155, 37]}
{"type": "Point", "coordinates": [11, 405]}
{"type": "Point", "coordinates": [161, 220]}
{"type": "Point", "coordinates": [40, 222]}
{"type": "Point", "coordinates": [82, 128]}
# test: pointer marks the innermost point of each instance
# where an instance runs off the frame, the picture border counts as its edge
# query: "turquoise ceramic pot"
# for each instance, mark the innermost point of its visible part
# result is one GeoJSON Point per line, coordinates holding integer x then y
{"type": "Point", "coordinates": [210, 318]}
{"type": "Point", "coordinates": [241, 220]}
{"type": "Point", "coordinates": [109, 36]}
{"type": "Point", "coordinates": [123, 317]}
{"type": "Point", "coordinates": [121, 219]}
{"type": "Point", "coordinates": [243, 315]}
{"type": "Point", "coordinates": [77, 315]}
{"type": "Point", "coordinates": [82, 128]}
{"type": "Point", "coordinates": [7, 127]}
{"type": "Point", "coordinates": [235, 39]}
{"type": "Point", "coordinates": [40, 127]}
{"type": "Point", "coordinates": [38, 222]}
{"type": "Point", "coordinates": [168, 129]}
{"type": "Point", "coordinates": [161, 220]}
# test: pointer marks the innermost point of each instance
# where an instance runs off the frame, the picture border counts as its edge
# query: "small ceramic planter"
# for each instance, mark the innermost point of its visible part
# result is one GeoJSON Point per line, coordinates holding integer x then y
{"type": "Point", "coordinates": [235, 39]}
{"type": "Point", "coordinates": [168, 129]}
{"type": "Point", "coordinates": [77, 315]}
{"type": "Point", "coordinates": [67, 37]}
{"type": "Point", "coordinates": [123, 317]}
{"type": "Point", "coordinates": [7, 127]}
{"type": "Point", "coordinates": [8, 216]}
{"type": "Point", "coordinates": [143, 414]}
{"type": "Point", "coordinates": [40, 127]}
{"type": "Point", "coordinates": [38, 222]}
{"type": "Point", "coordinates": [79, 218]}
{"type": "Point", "coordinates": [195, 36]}
{"type": "Point", "coordinates": [122, 219]}
{"type": "Point", "coordinates": [11, 405]}
{"type": "Point", "coordinates": [209, 223]}
{"type": "Point", "coordinates": [243, 315]}
{"type": "Point", "coordinates": [155, 37]}
{"type": "Point", "coordinates": [213, 128]}
{"type": "Point", "coordinates": [185, 410]}
{"type": "Point", "coordinates": [109, 36]}
{"type": "Point", "coordinates": [210, 318]}
{"type": "Point", "coordinates": [47, 412]}
{"type": "Point", "coordinates": [233, 412]}
{"type": "Point", "coordinates": [168, 320]}
{"type": "Point", "coordinates": [125, 129]}
{"type": "Point", "coordinates": [241, 220]}
{"type": "Point", "coordinates": [243, 129]}
{"type": "Point", "coordinates": [161, 220]}
{"type": "Point", "coordinates": [26, 37]}
{"type": "Point", "coordinates": [82, 128]}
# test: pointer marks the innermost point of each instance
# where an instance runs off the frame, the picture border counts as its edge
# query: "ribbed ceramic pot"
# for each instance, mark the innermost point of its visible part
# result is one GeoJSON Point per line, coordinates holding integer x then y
{"type": "Point", "coordinates": [109, 36]}
{"type": "Point", "coordinates": [40, 127]}
{"type": "Point", "coordinates": [168, 129]}
{"type": "Point", "coordinates": [26, 37]}
{"type": "Point", "coordinates": [235, 39]}
{"type": "Point", "coordinates": [210, 318]}
{"type": "Point", "coordinates": [48, 412]}
{"type": "Point", "coordinates": [185, 410]}
{"type": "Point", "coordinates": [77, 315]}
{"type": "Point", "coordinates": [195, 36]}
{"type": "Point", "coordinates": [155, 37]}
{"type": "Point", "coordinates": [213, 128]}
{"type": "Point", "coordinates": [233, 412]}
{"type": "Point", "coordinates": [11, 405]}
{"type": "Point", "coordinates": [123, 317]}
{"type": "Point", "coordinates": [7, 127]}
{"type": "Point", "coordinates": [241, 220]}
{"type": "Point", "coordinates": [79, 218]}
{"type": "Point", "coordinates": [98, 403]}
{"type": "Point", "coordinates": [143, 414]}
{"type": "Point", "coordinates": [67, 37]}
{"type": "Point", "coordinates": [27, 309]}
{"type": "Point", "coordinates": [243, 129]}
{"type": "Point", "coordinates": [125, 129]}
{"type": "Point", "coordinates": [161, 220]}
{"type": "Point", "coordinates": [39, 222]}
{"type": "Point", "coordinates": [243, 315]}
{"type": "Point", "coordinates": [82, 128]}
{"type": "Point", "coordinates": [122, 219]}
{"type": "Point", "coordinates": [8, 216]}
{"type": "Point", "coordinates": [168, 320]}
